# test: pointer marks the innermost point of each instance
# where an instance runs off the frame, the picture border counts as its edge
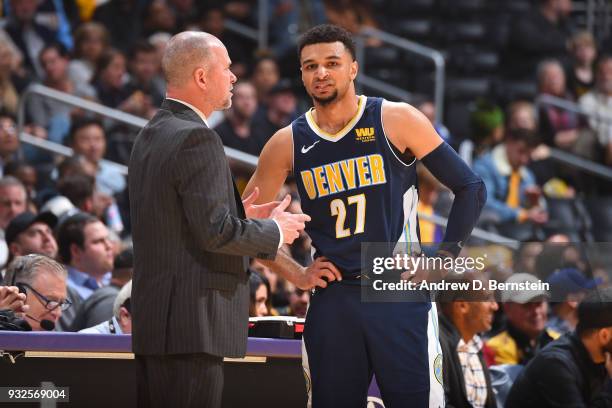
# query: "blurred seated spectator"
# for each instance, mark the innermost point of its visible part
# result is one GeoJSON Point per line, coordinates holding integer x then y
{"type": "Point", "coordinates": [239, 10]}
{"type": "Point", "coordinates": [144, 74]}
{"type": "Point", "coordinates": [87, 138]}
{"type": "Point", "coordinates": [487, 127]}
{"type": "Point", "coordinates": [76, 164]}
{"type": "Point", "coordinates": [13, 200]}
{"type": "Point", "coordinates": [522, 115]}
{"type": "Point", "coordinates": [213, 22]}
{"type": "Point", "coordinates": [558, 127]}
{"type": "Point", "coordinates": [526, 257]}
{"type": "Point", "coordinates": [91, 40]}
{"type": "Point", "coordinates": [9, 142]}
{"type": "Point", "coordinates": [85, 249]}
{"type": "Point", "coordinates": [298, 301]}
{"type": "Point", "coordinates": [278, 295]}
{"type": "Point", "coordinates": [428, 109]}
{"type": "Point", "coordinates": [121, 320]}
{"type": "Point", "coordinates": [28, 35]}
{"type": "Point", "coordinates": [49, 113]}
{"type": "Point", "coordinates": [110, 83]}
{"type": "Point", "coordinates": [576, 369]}
{"type": "Point", "coordinates": [279, 112]}
{"type": "Point", "coordinates": [259, 295]}
{"type": "Point", "coordinates": [465, 314]}
{"type": "Point", "coordinates": [25, 173]}
{"type": "Point", "coordinates": [79, 189]}
{"type": "Point", "coordinates": [122, 19]}
{"type": "Point", "coordinates": [185, 12]}
{"type": "Point", "coordinates": [581, 76]}
{"type": "Point", "coordinates": [30, 233]}
{"type": "Point", "coordinates": [352, 15]}
{"type": "Point", "coordinates": [158, 17]}
{"type": "Point", "coordinates": [526, 317]}
{"type": "Point", "coordinates": [598, 104]}
{"type": "Point", "coordinates": [236, 130]}
{"type": "Point", "coordinates": [98, 308]}
{"type": "Point", "coordinates": [291, 18]}
{"type": "Point", "coordinates": [553, 256]}
{"type": "Point", "coordinates": [536, 35]}
{"type": "Point", "coordinates": [265, 75]}
{"type": "Point", "coordinates": [514, 200]}
{"type": "Point", "coordinates": [12, 81]}
{"type": "Point", "coordinates": [159, 41]}
{"type": "Point", "coordinates": [44, 282]}
{"type": "Point", "coordinates": [568, 286]}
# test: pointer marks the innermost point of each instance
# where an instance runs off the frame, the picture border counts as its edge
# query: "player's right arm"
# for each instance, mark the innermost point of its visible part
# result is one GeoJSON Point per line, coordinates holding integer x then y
{"type": "Point", "coordinates": [275, 164]}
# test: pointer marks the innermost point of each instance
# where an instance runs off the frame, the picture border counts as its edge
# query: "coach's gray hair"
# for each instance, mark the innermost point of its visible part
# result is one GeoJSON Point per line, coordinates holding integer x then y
{"type": "Point", "coordinates": [184, 52]}
{"type": "Point", "coordinates": [24, 269]}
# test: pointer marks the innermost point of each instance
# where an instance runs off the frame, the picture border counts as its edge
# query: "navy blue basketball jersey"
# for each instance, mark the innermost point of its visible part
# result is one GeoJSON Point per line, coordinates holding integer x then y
{"type": "Point", "coordinates": [354, 186]}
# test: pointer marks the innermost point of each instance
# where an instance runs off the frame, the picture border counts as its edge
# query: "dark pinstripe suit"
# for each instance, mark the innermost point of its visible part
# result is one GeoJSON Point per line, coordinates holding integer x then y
{"type": "Point", "coordinates": [191, 243]}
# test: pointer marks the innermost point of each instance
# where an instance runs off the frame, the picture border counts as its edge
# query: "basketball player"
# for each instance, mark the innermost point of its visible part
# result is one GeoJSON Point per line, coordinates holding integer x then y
{"type": "Point", "coordinates": [353, 158]}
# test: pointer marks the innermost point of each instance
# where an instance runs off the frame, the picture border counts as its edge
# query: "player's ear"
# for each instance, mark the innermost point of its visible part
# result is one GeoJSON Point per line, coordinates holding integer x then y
{"type": "Point", "coordinates": [354, 70]}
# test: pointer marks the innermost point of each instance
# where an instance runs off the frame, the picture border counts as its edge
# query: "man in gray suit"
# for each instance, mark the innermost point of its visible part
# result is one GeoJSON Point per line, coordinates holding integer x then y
{"type": "Point", "coordinates": [192, 242]}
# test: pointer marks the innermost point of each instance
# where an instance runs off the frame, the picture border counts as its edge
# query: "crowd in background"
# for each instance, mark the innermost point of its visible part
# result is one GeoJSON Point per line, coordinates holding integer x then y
{"type": "Point", "coordinates": [76, 209]}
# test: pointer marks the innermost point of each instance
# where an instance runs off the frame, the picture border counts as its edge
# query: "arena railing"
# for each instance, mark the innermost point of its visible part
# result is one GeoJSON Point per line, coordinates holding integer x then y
{"type": "Point", "coordinates": [406, 45]}
{"type": "Point", "coordinates": [242, 158]}
{"type": "Point", "coordinates": [567, 158]}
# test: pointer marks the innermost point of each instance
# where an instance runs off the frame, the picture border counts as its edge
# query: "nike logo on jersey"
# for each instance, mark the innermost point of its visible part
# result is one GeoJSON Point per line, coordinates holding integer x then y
{"type": "Point", "coordinates": [307, 149]}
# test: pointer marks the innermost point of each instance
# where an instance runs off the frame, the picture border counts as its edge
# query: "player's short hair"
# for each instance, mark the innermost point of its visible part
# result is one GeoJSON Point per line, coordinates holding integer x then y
{"type": "Point", "coordinates": [327, 33]}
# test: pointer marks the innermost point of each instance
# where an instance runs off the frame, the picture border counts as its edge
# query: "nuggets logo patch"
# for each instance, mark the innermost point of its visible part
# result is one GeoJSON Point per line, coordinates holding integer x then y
{"type": "Point", "coordinates": [437, 368]}
{"type": "Point", "coordinates": [365, 135]}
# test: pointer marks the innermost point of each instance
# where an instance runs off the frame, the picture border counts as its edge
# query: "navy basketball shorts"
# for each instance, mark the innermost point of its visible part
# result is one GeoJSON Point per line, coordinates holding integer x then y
{"type": "Point", "coordinates": [346, 341]}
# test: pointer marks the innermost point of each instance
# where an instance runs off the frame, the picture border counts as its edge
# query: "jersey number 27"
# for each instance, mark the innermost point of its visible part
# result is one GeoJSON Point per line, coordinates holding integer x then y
{"type": "Point", "coordinates": [338, 209]}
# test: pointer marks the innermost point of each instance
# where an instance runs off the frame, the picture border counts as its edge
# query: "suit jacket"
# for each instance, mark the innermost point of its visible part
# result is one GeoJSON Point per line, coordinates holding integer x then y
{"type": "Point", "coordinates": [454, 381]}
{"type": "Point", "coordinates": [191, 241]}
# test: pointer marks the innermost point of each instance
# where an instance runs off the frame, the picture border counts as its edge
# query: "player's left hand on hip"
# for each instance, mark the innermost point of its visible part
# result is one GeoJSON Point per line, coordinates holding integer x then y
{"type": "Point", "coordinates": [320, 273]}
{"type": "Point", "coordinates": [257, 210]}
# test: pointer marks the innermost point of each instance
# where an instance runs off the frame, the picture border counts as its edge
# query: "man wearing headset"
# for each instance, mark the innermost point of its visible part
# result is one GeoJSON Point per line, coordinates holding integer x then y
{"type": "Point", "coordinates": [43, 281]}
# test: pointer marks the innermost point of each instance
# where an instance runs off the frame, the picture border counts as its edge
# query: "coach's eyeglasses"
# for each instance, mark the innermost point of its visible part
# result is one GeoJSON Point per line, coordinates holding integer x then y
{"type": "Point", "coordinates": [49, 304]}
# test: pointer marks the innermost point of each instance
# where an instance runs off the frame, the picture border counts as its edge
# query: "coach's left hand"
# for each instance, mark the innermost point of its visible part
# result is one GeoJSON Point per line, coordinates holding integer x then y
{"type": "Point", "coordinates": [257, 210]}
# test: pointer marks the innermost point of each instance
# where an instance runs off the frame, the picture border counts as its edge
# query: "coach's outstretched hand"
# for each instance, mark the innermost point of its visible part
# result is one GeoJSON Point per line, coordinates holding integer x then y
{"type": "Point", "coordinates": [290, 224]}
{"type": "Point", "coordinates": [320, 273]}
{"type": "Point", "coordinates": [258, 210]}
